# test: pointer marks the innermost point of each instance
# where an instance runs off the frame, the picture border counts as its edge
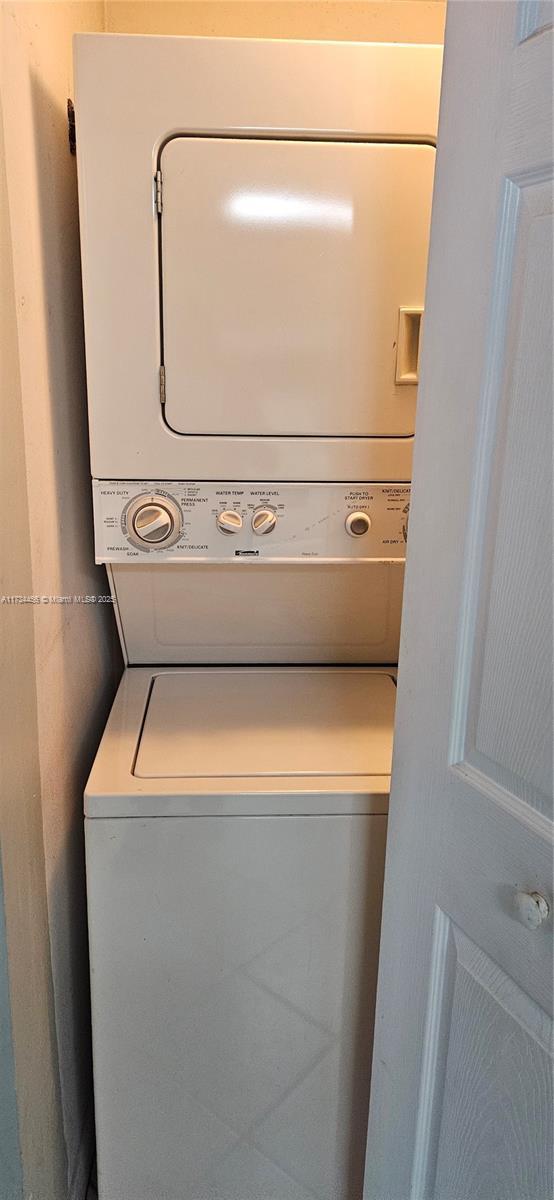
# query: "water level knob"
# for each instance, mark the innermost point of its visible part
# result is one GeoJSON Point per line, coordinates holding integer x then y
{"type": "Point", "coordinates": [264, 520]}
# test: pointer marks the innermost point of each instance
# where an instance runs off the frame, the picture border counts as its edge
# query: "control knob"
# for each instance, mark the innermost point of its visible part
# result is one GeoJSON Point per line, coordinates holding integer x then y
{"type": "Point", "coordinates": [229, 521]}
{"type": "Point", "coordinates": [357, 523]}
{"type": "Point", "coordinates": [153, 521]}
{"type": "Point", "coordinates": [263, 521]}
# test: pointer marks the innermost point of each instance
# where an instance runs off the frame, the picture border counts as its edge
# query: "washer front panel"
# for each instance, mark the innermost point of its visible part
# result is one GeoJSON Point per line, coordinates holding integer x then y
{"type": "Point", "coordinates": [311, 521]}
{"type": "Point", "coordinates": [231, 960]}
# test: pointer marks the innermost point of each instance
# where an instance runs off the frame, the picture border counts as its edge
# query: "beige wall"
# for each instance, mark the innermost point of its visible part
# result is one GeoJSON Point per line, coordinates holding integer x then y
{"type": "Point", "coordinates": [363, 20]}
{"type": "Point", "coordinates": [59, 661]}
{"type": "Point", "coordinates": [389, 21]}
{"type": "Point", "coordinates": [32, 1009]}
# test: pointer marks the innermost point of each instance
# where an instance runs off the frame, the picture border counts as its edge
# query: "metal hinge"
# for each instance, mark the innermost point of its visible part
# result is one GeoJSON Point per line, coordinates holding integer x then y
{"type": "Point", "coordinates": [71, 127]}
{"type": "Point", "coordinates": [158, 186]}
{"type": "Point", "coordinates": [162, 385]}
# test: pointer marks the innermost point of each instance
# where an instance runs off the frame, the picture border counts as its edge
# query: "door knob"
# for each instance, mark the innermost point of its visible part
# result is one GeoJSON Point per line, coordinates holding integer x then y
{"type": "Point", "coordinates": [532, 909]}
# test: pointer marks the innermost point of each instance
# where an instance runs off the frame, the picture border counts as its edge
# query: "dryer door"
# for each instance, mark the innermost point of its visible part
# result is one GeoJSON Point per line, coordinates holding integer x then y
{"type": "Point", "coordinates": [284, 265]}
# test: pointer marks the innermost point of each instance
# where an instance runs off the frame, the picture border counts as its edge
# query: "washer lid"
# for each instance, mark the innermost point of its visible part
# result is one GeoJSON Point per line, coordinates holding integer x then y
{"type": "Point", "coordinates": [177, 738]}
{"type": "Point", "coordinates": [214, 724]}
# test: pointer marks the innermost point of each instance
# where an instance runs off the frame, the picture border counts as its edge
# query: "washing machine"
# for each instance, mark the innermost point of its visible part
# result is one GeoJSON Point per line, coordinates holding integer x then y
{"type": "Point", "coordinates": [254, 222]}
{"type": "Point", "coordinates": [235, 835]}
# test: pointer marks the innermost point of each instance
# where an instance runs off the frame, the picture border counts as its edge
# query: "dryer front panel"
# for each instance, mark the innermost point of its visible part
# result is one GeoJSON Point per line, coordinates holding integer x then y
{"type": "Point", "coordinates": [284, 267]}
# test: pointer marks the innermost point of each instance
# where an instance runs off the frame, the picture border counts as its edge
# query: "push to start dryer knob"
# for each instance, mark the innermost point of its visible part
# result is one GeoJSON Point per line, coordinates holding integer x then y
{"type": "Point", "coordinates": [264, 520]}
{"type": "Point", "coordinates": [229, 521]}
{"type": "Point", "coordinates": [357, 523]}
{"type": "Point", "coordinates": [153, 523]}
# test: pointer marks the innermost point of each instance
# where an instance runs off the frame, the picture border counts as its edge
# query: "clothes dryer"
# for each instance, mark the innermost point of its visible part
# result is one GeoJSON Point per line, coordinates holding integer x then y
{"type": "Point", "coordinates": [254, 219]}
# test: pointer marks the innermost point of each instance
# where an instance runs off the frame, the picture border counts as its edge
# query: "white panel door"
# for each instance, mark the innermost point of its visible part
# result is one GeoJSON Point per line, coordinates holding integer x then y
{"type": "Point", "coordinates": [462, 1079]}
{"type": "Point", "coordinates": [284, 268]}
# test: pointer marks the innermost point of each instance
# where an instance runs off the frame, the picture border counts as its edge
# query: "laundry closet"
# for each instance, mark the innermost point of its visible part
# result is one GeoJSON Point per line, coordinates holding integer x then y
{"type": "Point", "coordinates": [254, 230]}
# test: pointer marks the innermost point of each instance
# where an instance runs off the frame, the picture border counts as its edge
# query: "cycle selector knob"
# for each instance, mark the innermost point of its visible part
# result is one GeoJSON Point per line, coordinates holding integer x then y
{"type": "Point", "coordinates": [264, 520]}
{"type": "Point", "coordinates": [357, 523]}
{"type": "Point", "coordinates": [153, 522]}
{"type": "Point", "coordinates": [229, 521]}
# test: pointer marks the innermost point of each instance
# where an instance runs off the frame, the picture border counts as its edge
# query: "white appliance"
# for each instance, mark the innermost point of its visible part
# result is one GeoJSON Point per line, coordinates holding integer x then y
{"type": "Point", "coordinates": [235, 837]}
{"type": "Point", "coordinates": [254, 220]}
{"type": "Point", "coordinates": [254, 223]}
{"type": "Point", "coordinates": [254, 572]}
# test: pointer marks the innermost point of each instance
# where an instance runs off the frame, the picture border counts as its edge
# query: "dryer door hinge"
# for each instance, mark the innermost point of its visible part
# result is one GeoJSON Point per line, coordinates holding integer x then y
{"type": "Point", "coordinates": [162, 385]}
{"type": "Point", "coordinates": [158, 186]}
{"type": "Point", "coordinates": [71, 127]}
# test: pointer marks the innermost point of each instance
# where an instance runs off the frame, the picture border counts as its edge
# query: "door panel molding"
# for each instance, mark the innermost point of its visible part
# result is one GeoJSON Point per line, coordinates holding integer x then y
{"type": "Point", "coordinates": [534, 16]}
{"type": "Point", "coordinates": [482, 782]}
{"type": "Point", "coordinates": [483, 720]}
{"type": "Point", "coordinates": [458, 963]}
{"type": "Point", "coordinates": [433, 1067]}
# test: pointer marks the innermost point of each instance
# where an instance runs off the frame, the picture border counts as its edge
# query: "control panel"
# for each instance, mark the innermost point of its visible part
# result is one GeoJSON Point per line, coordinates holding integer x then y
{"type": "Point", "coordinates": [215, 522]}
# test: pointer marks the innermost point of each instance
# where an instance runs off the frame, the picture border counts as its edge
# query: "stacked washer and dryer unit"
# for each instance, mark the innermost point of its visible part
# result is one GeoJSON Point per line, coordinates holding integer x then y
{"type": "Point", "coordinates": [254, 226]}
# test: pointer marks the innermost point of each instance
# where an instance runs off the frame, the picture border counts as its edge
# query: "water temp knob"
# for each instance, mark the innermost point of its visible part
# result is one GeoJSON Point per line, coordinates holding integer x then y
{"type": "Point", "coordinates": [229, 521]}
{"type": "Point", "coordinates": [153, 521]}
{"type": "Point", "coordinates": [357, 523]}
{"type": "Point", "coordinates": [264, 520]}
